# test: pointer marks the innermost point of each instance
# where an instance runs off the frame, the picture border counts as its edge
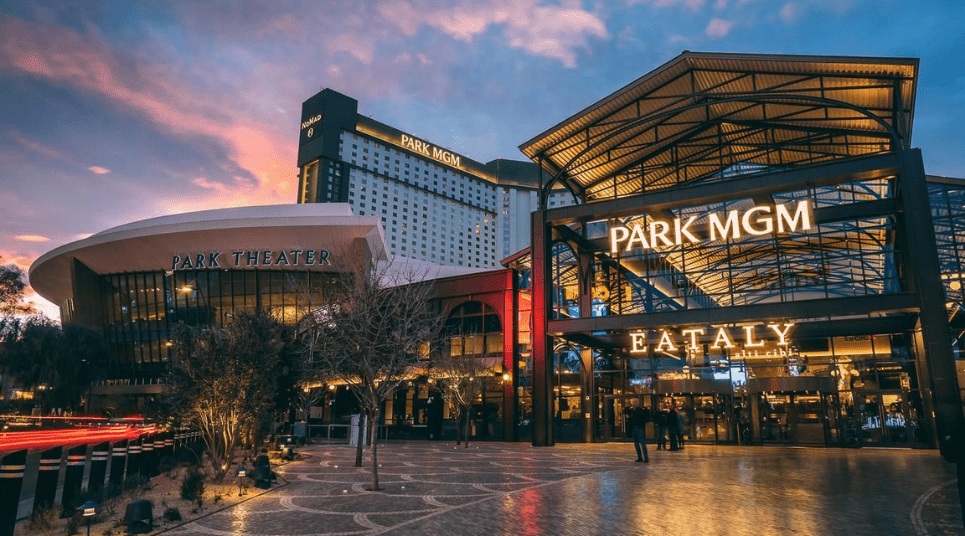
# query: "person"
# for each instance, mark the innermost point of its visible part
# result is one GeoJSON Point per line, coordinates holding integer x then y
{"type": "Point", "coordinates": [672, 427]}
{"type": "Point", "coordinates": [681, 428]}
{"type": "Point", "coordinates": [660, 420]}
{"type": "Point", "coordinates": [639, 417]}
{"type": "Point", "coordinates": [954, 452]}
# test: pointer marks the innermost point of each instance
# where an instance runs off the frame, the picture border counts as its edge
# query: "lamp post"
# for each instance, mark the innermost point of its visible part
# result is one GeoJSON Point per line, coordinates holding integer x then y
{"type": "Point", "coordinates": [88, 510]}
{"type": "Point", "coordinates": [242, 473]}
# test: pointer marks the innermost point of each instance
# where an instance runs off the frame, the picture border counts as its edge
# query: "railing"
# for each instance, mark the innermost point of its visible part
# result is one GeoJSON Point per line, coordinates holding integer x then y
{"type": "Point", "coordinates": [339, 433]}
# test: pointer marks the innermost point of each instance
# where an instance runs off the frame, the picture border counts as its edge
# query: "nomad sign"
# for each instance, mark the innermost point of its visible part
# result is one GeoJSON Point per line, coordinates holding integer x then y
{"type": "Point", "coordinates": [759, 220]}
{"type": "Point", "coordinates": [430, 150]}
{"type": "Point", "coordinates": [252, 258]}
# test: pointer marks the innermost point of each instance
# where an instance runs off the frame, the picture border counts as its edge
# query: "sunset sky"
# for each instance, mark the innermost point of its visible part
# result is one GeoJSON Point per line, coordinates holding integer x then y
{"type": "Point", "coordinates": [112, 112]}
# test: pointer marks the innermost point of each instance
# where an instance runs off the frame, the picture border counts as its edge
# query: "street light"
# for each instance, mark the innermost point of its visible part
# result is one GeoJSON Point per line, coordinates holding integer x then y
{"type": "Point", "coordinates": [88, 510]}
{"type": "Point", "coordinates": [242, 473]}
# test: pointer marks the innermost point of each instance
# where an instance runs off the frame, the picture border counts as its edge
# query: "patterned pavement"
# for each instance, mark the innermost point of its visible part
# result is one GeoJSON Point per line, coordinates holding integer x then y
{"type": "Point", "coordinates": [516, 489]}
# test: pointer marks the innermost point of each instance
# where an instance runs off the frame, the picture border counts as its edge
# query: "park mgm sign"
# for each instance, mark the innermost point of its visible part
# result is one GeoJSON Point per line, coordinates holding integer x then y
{"type": "Point", "coordinates": [733, 224]}
{"type": "Point", "coordinates": [759, 220]}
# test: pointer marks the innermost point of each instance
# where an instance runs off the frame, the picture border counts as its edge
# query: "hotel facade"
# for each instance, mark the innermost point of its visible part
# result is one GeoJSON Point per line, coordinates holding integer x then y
{"type": "Point", "coordinates": [751, 240]}
{"type": "Point", "coordinates": [435, 205]}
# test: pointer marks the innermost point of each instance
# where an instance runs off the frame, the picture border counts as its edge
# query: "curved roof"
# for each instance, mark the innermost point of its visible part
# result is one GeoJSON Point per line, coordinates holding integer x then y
{"type": "Point", "coordinates": [150, 245]}
{"type": "Point", "coordinates": [706, 116]}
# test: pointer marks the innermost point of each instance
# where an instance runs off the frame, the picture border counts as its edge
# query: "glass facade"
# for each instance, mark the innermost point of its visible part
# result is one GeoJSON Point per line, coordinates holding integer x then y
{"type": "Point", "coordinates": [798, 374]}
{"type": "Point", "coordinates": [139, 309]}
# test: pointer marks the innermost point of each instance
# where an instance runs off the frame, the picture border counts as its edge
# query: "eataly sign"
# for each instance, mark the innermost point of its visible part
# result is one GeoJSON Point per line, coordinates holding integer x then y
{"type": "Point", "coordinates": [723, 338]}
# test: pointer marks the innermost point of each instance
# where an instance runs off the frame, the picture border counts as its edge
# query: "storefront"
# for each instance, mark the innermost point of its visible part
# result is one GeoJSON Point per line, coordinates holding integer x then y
{"type": "Point", "coordinates": [757, 246]}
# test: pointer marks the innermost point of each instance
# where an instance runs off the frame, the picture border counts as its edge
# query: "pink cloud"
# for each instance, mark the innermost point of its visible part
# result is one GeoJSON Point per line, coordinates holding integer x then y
{"type": "Point", "coordinates": [98, 170]}
{"type": "Point", "coordinates": [692, 5]}
{"type": "Point", "coordinates": [550, 31]}
{"type": "Point", "coordinates": [37, 147]}
{"type": "Point", "coordinates": [32, 238]}
{"type": "Point", "coordinates": [86, 62]}
{"type": "Point", "coordinates": [718, 27]}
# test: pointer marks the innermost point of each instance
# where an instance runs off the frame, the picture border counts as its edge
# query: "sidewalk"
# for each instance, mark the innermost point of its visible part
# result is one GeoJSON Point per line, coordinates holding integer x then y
{"type": "Point", "coordinates": [514, 489]}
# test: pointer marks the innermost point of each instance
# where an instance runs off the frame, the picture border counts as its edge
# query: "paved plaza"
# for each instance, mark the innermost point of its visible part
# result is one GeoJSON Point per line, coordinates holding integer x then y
{"type": "Point", "coordinates": [516, 489]}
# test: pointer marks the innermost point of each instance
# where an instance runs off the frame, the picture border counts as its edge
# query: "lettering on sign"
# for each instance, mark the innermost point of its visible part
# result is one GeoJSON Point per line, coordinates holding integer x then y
{"type": "Point", "coordinates": [311, 121]}
{"type": "Point", "coordinates": [759, 220]}
{"type": "Point", "coordinates": [747, 337]}
{"type": "Point", "coordinates": [252, 258]}
{"type": "Point", "coordinates": [430, 150]}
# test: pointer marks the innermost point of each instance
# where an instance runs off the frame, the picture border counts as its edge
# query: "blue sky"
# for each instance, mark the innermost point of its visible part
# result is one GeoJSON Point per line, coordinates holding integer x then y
{"type": "Point", "coordinates": [112, 112]}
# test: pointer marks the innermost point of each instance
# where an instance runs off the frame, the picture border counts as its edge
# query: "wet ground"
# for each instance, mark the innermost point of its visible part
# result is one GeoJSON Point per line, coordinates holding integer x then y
{"type": "Point", "coordinates": [516, 489]}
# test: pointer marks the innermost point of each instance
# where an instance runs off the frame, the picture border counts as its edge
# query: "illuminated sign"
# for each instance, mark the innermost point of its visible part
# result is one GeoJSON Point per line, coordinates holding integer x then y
{"type": "Point", "coordinates": [252, 258]}
{"type": "Point", "coordinates": [430, 150]}
{"type": "Point", "coordinates": [311, 121]}
{"type": "Point", "coordinates": [749, 337]}
{"type": "Point", "coordinates": [759, 220]}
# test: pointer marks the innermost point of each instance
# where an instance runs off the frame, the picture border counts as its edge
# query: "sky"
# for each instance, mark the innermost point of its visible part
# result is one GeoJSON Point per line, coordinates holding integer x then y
{"type": "Point", "coordinates": [112, 112]}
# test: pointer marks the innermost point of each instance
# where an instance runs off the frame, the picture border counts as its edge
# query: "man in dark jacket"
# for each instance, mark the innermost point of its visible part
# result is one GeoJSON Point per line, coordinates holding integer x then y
{"type": "Point", "coordinates": [639, 418]}
{"type": "Point", "coordinates": [660, 422]}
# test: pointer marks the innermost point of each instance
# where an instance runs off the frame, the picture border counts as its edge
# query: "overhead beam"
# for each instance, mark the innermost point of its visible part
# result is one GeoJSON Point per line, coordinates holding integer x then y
{"type": "Point", "coordinates": [863, 168]}
{"type": "Point", "coordinates": [902, 302]}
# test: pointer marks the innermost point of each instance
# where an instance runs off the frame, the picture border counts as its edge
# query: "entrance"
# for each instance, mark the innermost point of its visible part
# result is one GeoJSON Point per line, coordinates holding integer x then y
{"type": "Point", "coordinates": [794, 419]}
{"type": "Point", "coordinates": [707, 407]}
{"type": "Point", "coordinates": [614, 411]}
{"type": "Point", "coordinates": [884, 418]}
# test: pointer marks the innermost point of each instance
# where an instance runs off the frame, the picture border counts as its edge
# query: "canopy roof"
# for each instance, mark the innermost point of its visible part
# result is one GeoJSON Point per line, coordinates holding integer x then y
{"type": "Point", "coordinates": [707, 116]}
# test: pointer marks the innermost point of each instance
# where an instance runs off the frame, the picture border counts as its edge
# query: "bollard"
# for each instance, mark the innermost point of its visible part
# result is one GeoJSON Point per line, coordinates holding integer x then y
{"type": "Point", "coordinates": [73, 478]}
{"type": "Point", "coordinates": [134, 456]}
{"type": "Point", "coordinates": [118, 463]}
{"type": "Point", "coordinates": [98, 466]}
{"type": "Point", "coordinates": [11, 483]}
{"type": "Point", "coordinates": [49, 470]}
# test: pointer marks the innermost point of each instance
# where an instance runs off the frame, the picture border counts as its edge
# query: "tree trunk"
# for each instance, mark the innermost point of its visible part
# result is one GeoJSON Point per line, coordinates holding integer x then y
{"type": "Point", "coordinates": [468, 413]}
{"type": "Point", "coordinates": [361, 440]}
{"type": "Point", "coordinates": [373, 434]}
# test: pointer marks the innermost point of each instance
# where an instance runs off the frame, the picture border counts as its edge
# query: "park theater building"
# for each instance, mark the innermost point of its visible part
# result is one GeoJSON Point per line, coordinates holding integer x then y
{"type": "Point", "coordinates": [755, 242]}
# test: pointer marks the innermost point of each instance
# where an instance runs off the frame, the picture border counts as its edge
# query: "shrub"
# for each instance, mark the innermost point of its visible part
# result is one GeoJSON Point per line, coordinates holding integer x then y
{"type": "Point", "coordinates": [43, 518]}
{"type": "Point", "coordinates": [135, 485]}
{"type": "Point", "coordinates": [167, 464]}
{"type": "Point", "coordinates": [171, 513]}
{"type": "Point", "coordinates": [192, 486]}
{"type": "Point", "coordinates": [73, 524]}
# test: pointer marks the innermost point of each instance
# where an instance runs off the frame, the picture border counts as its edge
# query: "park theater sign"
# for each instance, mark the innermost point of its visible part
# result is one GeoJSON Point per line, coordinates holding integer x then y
{"type": "Point", "coordinates": [759, 220]}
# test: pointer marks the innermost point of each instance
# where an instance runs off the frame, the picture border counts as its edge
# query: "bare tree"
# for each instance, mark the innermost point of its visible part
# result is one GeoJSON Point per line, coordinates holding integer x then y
{"type": "Point", "coordinates": [462, 379]}
{"type": "Point", "coordinates": [225, 381]}
{"type": "Point", "coordinates": [373, 335]}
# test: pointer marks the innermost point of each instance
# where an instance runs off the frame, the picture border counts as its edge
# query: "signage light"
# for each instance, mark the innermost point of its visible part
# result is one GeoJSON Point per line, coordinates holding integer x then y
{"type": "Point", "coordinates": [252, 258]}
{"type": "Point", "coordinates": [430, 150]}
{"type": "Point", "coordinates": [759, 220]}
{"type": "Point", "coordinates": [723, 338]}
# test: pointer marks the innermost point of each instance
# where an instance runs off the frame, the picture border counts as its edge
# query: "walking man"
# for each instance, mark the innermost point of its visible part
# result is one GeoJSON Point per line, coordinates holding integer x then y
{"type": "Point", "coordinates": [639, 418]}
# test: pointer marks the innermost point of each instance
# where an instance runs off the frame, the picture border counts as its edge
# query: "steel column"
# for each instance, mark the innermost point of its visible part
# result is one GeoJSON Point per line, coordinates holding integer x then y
{"type": "Point", "coordinates": [924, 276]}
{"type": "Point", "coordinates": [542, 345]}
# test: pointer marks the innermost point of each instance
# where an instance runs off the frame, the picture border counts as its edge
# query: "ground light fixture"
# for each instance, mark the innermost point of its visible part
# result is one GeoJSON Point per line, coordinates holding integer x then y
{"type": "Point", "coordinates": [88, 510]}
{"type": "Point", "coordinates": [242, 473]}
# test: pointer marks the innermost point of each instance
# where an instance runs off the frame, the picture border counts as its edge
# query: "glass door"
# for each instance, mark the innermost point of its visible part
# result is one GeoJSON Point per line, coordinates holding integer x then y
{"type": "Point", "coordinates": [614, 410]}
{"type": "Point", "coordinates": [870, 419]}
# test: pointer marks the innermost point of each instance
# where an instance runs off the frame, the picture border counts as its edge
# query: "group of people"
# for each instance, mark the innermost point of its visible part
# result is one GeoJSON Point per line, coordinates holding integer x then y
{"type": "Point", "coordinates": [667, 421]}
